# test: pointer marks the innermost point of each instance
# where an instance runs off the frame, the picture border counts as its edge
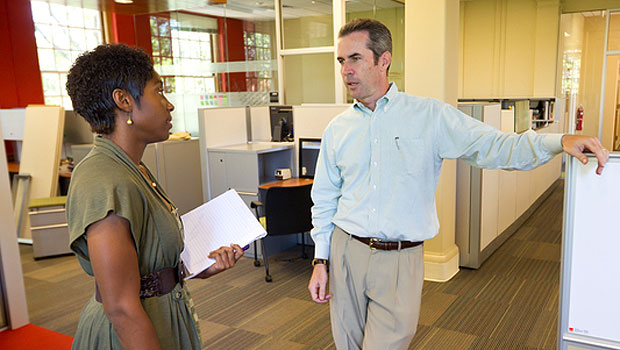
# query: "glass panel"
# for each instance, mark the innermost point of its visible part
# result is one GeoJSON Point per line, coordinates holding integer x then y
{"type": "Point", "coordinates": [169, 85]}
{"type": "Point", "coordinates": [155, 45]}
{"type": "Point", "coordinates": [164, 26]}
{"type": "Point", "coordinates": [77, 16]}
{"type": "Point", "coordinates": [51, 84]}
{"type": "Point", "coordinates": [53, 100]}
{"type": "Point", "coordinates": [92, 19]}
{"type": "Point", "coordinates": [166, 47]}
{"type": "Point", "coordinates": [93, 38]}
{"type": "Point", "coordinates": [78, 39]}
{"type": "Point", "coordinates": [61, 38]}
{"type": "Point", "coordinates": [40, 12]}
{"type": "Point", "coordinates": [63, 84]}
{"type": "Point", "coordinates": [43, 34]}
{"type": "Point", "coordinates": [581, 82]}
{"type": "Point", "coordinates": [66, 102]}
{"type": "Point", "coordinates": [59, 14]}
{"type": "Point", "coordinates": [153, 21]}
{"type": "Point", "coordinates": [75, 55]}
{"type": "Point", "coordinates": [46, 59]}
{"type": "Point", "coordinates": [202, 58]}
{"type": "Point", "coordinates": [307, 24]}
{"type": "Point", "coordinates": [299, 70]}
{"type": "Point", "coordinates": [392, 15]}
{"type": "Point", "coordinates": [63, 60]}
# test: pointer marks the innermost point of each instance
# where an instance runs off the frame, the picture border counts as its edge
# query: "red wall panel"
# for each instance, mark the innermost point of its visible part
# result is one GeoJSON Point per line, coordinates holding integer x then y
{"type": "Point", "coordinates": [123, 29]}
{"type": "Point", "coordinates": [19, 64]}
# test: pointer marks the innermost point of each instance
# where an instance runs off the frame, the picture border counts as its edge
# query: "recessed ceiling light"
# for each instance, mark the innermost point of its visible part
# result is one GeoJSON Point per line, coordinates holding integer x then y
{"type": "Point", "coordinates": [123, 1]}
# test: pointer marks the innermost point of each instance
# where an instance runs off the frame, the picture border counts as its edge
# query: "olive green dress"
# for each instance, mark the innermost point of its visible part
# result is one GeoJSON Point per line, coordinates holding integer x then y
{"type": "Point", "coordinates": [108, 181]}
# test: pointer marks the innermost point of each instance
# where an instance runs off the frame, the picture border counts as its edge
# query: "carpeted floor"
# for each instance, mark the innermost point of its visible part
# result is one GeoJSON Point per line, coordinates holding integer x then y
{"type": "Point", "coordinates": [31, 337]}
{"type": "Point", "coordinates": [510, 303]}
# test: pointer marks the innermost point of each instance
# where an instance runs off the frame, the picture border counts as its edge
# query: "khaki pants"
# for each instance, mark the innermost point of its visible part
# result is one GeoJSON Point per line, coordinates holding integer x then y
{"type": "Point", "coordinates": [377, 294]}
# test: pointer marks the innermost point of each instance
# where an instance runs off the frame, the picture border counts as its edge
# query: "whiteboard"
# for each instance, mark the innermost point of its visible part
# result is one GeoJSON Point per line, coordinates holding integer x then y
{"type": "Point", "coordinates": [590, 287]}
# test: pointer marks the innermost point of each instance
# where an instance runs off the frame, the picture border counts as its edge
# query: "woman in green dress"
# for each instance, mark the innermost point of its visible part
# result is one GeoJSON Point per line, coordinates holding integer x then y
{"type": "Point", "coordinates": [123, 227]}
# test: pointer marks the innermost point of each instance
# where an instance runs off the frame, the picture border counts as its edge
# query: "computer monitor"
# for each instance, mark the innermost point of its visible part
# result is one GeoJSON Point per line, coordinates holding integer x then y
{"type": "Point", "coordinates": [281, 123]}
{"type": "Point", "coordinates": [308, 156]}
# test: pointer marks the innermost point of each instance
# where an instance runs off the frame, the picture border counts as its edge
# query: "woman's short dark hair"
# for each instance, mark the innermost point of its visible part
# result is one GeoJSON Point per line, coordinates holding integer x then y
{"type": "Point", "coordinates": [94, 76]}
{"type": "Point", "coordinates": [380, 38]}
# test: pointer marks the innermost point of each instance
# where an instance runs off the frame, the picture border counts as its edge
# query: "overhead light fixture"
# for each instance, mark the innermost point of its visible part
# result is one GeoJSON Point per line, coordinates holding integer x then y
{"type": "Point", "coordinates": [124, 2]}
{"type": "Point", "coordinates": [566, 34]}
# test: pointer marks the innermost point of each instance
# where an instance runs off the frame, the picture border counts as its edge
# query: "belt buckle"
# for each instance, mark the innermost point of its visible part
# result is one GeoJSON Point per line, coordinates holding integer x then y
{"type": "Point", "coordinates": [372, 243]}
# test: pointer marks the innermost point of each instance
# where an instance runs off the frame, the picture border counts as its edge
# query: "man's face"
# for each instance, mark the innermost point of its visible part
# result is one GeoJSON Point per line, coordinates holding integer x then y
{"type": "Point", "coordinates": [365, 80]}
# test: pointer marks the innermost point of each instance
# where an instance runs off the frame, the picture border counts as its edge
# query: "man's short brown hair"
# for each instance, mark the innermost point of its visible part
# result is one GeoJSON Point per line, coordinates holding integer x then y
{"type": "Point", "coordinates": [379, 37]}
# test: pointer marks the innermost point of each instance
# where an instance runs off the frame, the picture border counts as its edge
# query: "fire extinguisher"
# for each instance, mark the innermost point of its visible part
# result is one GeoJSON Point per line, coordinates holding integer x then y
{"type": "Point", "coordinates": [579, 125]}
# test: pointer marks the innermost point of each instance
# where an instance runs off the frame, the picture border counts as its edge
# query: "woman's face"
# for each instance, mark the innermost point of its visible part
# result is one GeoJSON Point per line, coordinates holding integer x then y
{"type": "Point", "coordinates": [151, 118]}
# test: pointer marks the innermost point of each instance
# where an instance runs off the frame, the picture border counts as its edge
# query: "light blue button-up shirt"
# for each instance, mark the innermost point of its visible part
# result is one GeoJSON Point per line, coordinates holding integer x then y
{"type": "Point", "coordinates": [378, 170]}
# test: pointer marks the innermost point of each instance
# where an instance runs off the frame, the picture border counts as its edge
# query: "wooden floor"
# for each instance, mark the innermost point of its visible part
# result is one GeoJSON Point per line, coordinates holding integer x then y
{"type": "Point", "coordinates": [511, 302]}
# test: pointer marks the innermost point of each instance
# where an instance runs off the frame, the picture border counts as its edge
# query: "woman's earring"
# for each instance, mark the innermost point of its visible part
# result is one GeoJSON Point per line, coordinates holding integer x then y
{"type": "Point", "coordinates": [129, 121]}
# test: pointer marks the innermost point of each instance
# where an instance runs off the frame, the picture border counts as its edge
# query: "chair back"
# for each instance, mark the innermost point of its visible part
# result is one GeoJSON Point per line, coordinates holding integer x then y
{"type": "Point", "coordinates": [288, 210]}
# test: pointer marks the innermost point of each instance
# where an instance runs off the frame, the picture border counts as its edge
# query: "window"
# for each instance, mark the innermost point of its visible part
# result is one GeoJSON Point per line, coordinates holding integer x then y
{"type": "Point", "coordinates": [257, 48]}
{"type": "Point", "coordinates": [183, 56]}
{"type": "Point", "coordinates": [62, 33]}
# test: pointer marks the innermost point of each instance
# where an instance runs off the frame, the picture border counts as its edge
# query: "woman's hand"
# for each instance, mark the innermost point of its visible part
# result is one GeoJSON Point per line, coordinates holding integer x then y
{"type": "Point", "coordinates": [225, 258]}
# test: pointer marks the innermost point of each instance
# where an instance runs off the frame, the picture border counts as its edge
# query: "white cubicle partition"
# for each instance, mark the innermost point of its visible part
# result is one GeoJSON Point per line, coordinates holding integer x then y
{"type": "Point", "coordinates": [12, 122]}
{"type": "Point", "coordinates": [219, 127]}
{"type": "Point", "coordinates": [13, 308]}
{"type": "Point", "coordinates": [260, 124]}
{"type": "Point", "coordinates": [589, 303]}
{"type": "Point", "coordinates": [309, 121]}
{"type": "Point", "coordinates": [40, 157]}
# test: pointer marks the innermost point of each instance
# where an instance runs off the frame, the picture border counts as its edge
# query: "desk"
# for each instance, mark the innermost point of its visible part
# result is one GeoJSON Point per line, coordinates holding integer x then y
{"type": "Point", "coordinates": [246, 166]}
{"type": "Point", "coordinates": [292, 182]}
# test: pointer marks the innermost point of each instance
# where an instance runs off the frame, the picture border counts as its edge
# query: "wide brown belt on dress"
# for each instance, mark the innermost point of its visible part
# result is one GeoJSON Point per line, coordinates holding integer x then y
{"type": "Point", "coordinates": [157, 283]}
{"type": "Point", "coordinates": [376, 243]}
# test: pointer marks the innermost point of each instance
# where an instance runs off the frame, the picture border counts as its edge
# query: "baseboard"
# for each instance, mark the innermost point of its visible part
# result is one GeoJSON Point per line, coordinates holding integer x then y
{"type": "Point", "coordinates": [441, 268]}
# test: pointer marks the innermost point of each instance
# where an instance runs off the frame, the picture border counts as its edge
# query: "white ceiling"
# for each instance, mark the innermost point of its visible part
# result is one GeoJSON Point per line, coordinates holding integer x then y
{"type": "Point", "coordinates": [264, 9]}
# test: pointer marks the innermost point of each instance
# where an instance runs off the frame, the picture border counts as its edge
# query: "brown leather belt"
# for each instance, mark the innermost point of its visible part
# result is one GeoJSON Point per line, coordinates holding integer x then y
{"type": "Point", "coordinates": [376, 243]}
{"type": "Point", "coordinates": [158, 283]}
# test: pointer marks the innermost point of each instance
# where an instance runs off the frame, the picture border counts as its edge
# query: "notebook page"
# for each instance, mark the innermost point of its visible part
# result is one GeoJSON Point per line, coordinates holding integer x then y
{"type": "Point", "coordinates": [221, 221]}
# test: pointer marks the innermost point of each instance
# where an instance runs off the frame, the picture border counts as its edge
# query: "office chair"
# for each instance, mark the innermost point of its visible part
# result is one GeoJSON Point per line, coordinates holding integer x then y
{"type": "Point", "coordinates": [287, 211]}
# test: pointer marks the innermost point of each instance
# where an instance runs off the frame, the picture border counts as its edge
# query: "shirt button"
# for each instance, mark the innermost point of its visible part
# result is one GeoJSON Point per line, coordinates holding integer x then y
{"type": "Point", "coordinates": [374, 187]}
{"type": "Point", "coordinates": [376, 140]}
{"type": "Point", "coordinates": [374, 210]}
{"type": "Point", "coordinates": [178, 295]}
{"type": "Point", "coordinates": [374, 163]}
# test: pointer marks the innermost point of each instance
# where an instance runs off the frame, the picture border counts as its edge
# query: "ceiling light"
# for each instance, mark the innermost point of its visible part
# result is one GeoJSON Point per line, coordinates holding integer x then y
{"type": "Point", "coordinates": [123, 1]}
{"type": "Point", "coordinates": [566, 34]}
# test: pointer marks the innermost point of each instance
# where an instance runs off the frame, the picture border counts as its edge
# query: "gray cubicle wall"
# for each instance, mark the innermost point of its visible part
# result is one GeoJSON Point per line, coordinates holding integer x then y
{"type": "Point", "coordinates": [590, 287]}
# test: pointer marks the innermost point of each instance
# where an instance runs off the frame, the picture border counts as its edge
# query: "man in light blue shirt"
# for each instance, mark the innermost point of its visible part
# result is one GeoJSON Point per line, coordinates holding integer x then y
{"type": "Point", "coordinates": [374, 190]}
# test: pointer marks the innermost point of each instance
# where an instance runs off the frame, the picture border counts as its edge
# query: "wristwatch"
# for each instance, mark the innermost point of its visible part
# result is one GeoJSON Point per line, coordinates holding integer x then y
{"type": "Point", "coordinates": [320, 261]}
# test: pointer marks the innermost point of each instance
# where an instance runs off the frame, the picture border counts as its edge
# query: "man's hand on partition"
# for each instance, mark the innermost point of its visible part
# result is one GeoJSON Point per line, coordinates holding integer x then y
{"type": "Point", "coordinates": [318, 284]}
{"type": "Point", "coordinates": [575, 145]}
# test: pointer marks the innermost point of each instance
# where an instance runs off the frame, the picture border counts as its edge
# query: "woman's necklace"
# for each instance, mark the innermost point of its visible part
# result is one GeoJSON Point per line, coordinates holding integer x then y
{"type": "Point", "coordinates": [153, 184]}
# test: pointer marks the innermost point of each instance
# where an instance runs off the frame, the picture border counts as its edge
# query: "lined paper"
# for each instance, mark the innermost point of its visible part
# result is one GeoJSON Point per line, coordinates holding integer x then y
{"type": "Point", "coordinates": [221, 221]}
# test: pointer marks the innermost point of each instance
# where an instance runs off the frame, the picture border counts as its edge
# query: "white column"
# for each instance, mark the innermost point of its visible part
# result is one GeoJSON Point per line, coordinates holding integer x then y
{"type": "Point", "coordinates": [431, 64]}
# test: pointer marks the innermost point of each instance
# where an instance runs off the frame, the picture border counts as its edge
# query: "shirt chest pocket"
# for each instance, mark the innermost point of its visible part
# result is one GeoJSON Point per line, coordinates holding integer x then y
{"type": "Point", "coordinates": [407, 155]}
